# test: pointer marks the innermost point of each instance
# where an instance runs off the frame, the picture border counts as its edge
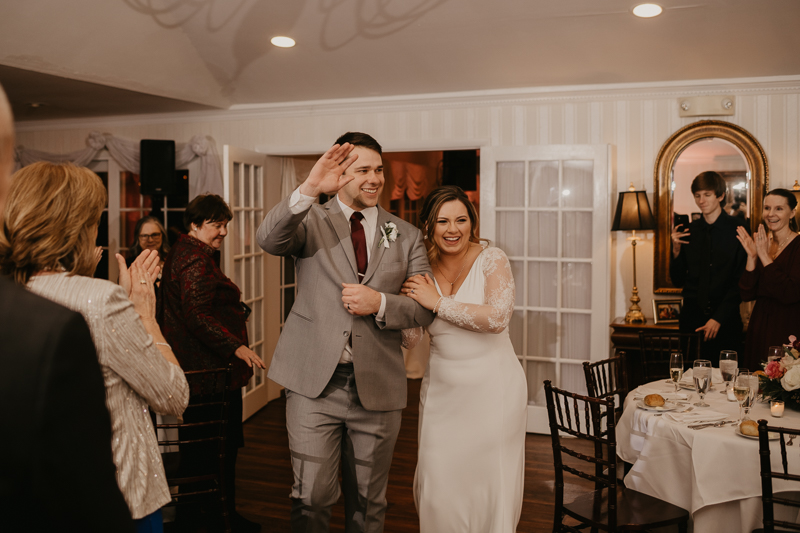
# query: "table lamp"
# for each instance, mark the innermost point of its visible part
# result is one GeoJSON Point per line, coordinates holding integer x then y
{"type": "Point", "coordinates": [633, 213]}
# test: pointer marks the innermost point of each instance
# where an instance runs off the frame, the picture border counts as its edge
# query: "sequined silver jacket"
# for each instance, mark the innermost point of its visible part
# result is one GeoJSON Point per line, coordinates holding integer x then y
{"type": "Point", "coordinates": [136, 375]}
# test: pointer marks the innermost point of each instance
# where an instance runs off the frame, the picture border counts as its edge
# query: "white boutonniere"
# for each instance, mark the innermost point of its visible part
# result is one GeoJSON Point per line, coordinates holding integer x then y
{"type": "Point", "coordinates": [389, 232]}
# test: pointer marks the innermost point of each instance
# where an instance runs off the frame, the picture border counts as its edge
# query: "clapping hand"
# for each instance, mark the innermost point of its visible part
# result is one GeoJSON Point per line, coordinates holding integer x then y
{"type": "Point", "coordinates": [328, 174]}
{"type": "Point", "coordinates": [422, 289]}
{"type": "Point", "coordinates": [762, 243]}
{"type": "Point", "coordinates": [747, 242]}
{"type": "Point", "coordinates": [148, 260]}
{"type": "Point", "coordinates": [137, 281]}
{"type": "Point", "coordinates": [678, 236]}
{"type": "Point", "coordinates": [98, 255]}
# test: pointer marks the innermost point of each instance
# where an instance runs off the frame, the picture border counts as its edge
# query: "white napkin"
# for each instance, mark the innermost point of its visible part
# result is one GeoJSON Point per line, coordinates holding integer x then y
{"type": "Point", "coordinates": [716, 377]}
{"type": "Point", "coordinates": [642, 392]}
{"type": "Point", "coordinates": [696, 416]}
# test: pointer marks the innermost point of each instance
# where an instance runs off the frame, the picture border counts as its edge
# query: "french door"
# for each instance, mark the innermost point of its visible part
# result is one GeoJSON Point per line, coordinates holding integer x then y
{"type": "Point", "coordinates": [547, 207]}
{"type": "Point", "coordinates": [250, 193]}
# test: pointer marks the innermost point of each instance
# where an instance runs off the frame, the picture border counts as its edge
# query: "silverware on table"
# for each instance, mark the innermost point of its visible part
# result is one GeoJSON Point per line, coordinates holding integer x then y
{"type": "Point", "coordinates": [718, 424]}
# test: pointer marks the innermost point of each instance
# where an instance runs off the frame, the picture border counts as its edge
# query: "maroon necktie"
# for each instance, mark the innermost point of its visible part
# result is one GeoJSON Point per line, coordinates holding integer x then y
{"type": "Point", "coordinates": [359, 242]}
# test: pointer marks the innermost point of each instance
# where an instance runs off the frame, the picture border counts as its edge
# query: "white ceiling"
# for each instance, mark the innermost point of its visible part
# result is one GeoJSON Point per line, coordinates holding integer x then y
{"type": "Point", "coordinates": [112, 57]}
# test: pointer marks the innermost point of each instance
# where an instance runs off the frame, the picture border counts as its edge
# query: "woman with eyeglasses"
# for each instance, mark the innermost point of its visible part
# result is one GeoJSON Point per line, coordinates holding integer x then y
{"type": "Point", "coordinates": [149, 234]}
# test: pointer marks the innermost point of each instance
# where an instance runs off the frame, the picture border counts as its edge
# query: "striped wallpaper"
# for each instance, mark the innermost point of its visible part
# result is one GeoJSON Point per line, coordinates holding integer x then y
{"type": "Point", "coordinates": [635, 119]}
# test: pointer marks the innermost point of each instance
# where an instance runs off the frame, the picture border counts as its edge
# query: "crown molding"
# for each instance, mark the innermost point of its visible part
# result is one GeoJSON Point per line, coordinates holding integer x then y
{"type": "Point", "coordinates": [424, 145]}
{"type": "Point", "coordinates": [424, 102]}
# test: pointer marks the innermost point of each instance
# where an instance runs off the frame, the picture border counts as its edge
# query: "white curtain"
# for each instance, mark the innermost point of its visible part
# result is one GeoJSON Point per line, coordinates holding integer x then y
{"type": "Point", "coordinates": [126, 153]}
{"type": "Point", "coordinates": [289, 181]}
{"type": "Point", "coordinates": [294, 172]}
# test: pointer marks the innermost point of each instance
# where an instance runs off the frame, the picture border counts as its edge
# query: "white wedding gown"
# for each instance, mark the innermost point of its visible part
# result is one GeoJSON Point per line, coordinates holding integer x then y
{"type": "Point", "coordinates": [471, 466]}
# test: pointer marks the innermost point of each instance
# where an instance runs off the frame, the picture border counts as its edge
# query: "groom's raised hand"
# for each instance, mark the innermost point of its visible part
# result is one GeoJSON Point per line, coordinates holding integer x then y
{"type": "Point", "coordinates": [328, 174]}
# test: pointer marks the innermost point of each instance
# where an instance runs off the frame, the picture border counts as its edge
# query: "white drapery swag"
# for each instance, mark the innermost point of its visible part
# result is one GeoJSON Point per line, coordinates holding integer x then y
{"type": "Point", "coordinates": [126, 153]}
{"type": "Point", "coordinates": [412, 180]}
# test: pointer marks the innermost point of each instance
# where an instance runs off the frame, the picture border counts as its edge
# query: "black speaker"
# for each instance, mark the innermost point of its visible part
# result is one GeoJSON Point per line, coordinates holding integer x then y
{"type": "Point", "coordinates": [157, 166]}
{"type": "Point", "coordinates": [460, 167]}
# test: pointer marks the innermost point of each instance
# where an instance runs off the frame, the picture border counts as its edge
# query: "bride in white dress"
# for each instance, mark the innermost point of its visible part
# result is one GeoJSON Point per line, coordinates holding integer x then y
{"type": "Point", "coordinates": [471, 465]}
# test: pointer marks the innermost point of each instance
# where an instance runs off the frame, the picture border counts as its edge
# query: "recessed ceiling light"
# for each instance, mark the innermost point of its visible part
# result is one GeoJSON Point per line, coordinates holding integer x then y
{"type": "Point", "coordinates": [282, 42]}
{"type": "Point", "coordinates": [647, 10]}
{"type": "Point", "coordinates": [35, 105]}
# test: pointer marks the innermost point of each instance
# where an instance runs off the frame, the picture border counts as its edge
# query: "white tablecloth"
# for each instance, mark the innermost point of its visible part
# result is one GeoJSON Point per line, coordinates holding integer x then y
{"type": "Point", "coordinates": [713, 473]}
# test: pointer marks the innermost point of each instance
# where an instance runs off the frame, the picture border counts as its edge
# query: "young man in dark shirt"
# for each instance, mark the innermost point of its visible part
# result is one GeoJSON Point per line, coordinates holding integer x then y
{"type": "Point", "coordinates": [707, 261]}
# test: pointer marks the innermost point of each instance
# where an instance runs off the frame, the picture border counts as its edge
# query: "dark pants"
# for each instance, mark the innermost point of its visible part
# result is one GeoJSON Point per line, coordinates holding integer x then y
{"type": "Point", "coordinates": [729, 337]}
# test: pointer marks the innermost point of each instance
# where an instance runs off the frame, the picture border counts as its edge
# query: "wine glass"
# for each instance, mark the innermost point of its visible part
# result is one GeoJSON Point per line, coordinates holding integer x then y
{"type": "Point", "coordinates": [751, 397]}
{"type": "Point", "coordinates": [741, 389]}
{"type": "Point", "coordinates": [728, 361]}
{"type": "Point", "coordinates": [774, 353]}
{"type": "Point", "coordinates": [676, 369]}
{"type": "Point", "coordinates": [701, 372]}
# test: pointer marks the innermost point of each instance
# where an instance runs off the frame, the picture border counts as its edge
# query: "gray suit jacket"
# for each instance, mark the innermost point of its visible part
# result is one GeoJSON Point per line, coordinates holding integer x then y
{"type": "Point", "coordinates": [318, 326]}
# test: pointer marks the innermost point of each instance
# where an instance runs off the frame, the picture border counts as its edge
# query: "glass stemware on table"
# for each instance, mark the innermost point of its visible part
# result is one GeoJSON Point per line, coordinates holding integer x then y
{"type": "Point", "coordinates": [728, 362]}
{"type": "Point", "coordinates": [676, 369]}
{"type": "Point", "coordinates": [701, 373]}
{"type": "Point", "coordinates": [752, 380]}
{"type": "Point", "coordinates": [774, 353]}
{"type": "Point", "coordinates": [741, 391]}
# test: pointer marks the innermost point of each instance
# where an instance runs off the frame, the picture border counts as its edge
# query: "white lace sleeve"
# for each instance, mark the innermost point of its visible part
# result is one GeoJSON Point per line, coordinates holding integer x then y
{"type": "Point", "coordinates": [495, 313]}
{"type": "Point", "coordinates": [411, 337]}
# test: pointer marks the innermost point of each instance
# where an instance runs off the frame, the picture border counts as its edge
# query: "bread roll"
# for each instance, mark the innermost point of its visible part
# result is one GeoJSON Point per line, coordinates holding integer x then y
{"type": "Point", "coordinates": [654, 400]}
{"type": "Point", "coordinates": [749, 427]}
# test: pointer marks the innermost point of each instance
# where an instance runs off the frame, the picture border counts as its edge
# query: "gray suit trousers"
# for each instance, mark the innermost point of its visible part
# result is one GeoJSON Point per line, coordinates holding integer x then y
{"type": "Point", "coordinates": [321, 431]}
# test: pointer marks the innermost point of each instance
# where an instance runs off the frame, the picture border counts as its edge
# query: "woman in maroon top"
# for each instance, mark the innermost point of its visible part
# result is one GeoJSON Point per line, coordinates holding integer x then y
{"type": "Point", "coordinates": [203, 319]}
{"type": "Point", "coordinates": [772, 279]}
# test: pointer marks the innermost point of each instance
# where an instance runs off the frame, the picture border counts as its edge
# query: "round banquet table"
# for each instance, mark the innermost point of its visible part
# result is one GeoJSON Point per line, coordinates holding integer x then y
{"type": "Point", "coordinates": [714, 473]}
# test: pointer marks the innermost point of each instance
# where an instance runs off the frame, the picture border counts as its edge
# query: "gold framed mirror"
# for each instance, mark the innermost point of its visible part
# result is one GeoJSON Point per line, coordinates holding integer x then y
{"type": "Point", "coordinates": [705, 145]}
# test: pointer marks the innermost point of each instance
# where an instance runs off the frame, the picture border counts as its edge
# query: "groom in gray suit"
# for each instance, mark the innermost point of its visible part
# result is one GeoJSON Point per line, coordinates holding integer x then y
{"type": "Point", "coordinates": [339, 353]}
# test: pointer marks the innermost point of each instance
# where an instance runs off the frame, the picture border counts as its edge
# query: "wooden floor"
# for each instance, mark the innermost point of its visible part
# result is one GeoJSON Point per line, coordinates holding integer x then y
{"type": "Point", "coordinates": [264, 475]}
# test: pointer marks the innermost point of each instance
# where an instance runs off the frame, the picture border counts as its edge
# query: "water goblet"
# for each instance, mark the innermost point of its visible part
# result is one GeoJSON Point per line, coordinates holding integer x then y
{"type": "Point", "coordinates": [676, 369]}
{"type": "Point", "coordinates": [774, 353]}
{"type": "Point", "coordinates": [701, 372]}
{"type": "Point", "coordinates": [728, 361]}
{"type": "Point", "coordinates": [741, 389]}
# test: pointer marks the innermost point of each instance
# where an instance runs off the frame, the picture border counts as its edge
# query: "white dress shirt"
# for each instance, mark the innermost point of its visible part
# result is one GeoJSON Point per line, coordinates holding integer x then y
{"type": "Point", "coordinates": [300, 202]}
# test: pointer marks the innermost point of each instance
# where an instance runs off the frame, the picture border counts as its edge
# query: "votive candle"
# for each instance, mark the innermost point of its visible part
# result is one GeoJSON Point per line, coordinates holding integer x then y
{"type": "Point", "coordinates": [776, 408]}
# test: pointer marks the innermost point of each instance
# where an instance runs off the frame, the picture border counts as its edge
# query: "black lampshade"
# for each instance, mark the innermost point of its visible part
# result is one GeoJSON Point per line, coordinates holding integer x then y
{"type": "Point", "coordinates": [633, 212]}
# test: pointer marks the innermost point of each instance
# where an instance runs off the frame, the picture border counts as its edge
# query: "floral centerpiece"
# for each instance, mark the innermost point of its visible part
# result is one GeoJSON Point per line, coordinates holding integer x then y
{"type": "Point", "coordinates": [780, 379]}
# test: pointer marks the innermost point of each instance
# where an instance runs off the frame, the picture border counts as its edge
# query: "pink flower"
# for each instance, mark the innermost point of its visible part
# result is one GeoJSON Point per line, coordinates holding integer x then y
{"type": "Point", "coordinates": [794, 342]}
{"type": "Point", "coordinates": [774, 370]}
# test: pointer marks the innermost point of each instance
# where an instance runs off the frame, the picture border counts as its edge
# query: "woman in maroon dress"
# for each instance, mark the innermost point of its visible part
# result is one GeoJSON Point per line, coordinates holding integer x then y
{"type": "Point", "coordinates": [203, 319]}
{"type": "Point", "coordinates": [771, 278]}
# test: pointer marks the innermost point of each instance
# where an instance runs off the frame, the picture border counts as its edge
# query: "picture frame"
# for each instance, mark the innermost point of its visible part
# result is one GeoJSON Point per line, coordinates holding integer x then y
{"type": "Point", "coordinates": [667, 310]}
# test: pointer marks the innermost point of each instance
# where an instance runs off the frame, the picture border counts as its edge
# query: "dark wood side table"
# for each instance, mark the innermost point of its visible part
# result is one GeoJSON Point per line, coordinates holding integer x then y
{"type": "Point", "coordinates": [625, 337]}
